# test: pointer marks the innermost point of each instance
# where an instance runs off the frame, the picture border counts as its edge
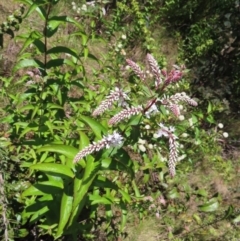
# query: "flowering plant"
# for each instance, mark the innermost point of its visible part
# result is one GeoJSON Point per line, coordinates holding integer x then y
{"type": "Point", "coordinates": [147, 108]}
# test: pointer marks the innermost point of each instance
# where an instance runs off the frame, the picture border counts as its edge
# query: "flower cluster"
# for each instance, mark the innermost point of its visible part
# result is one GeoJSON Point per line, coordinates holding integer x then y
{"type": "Point", "coordinates": [162, 80]}
{"type": "Point", "coordinates": [116, 95]}
{"type": "Point", "coordinates": [111, 140]}
{"type": "Point", "coordinates": [155, 69]}
{"type": "Point", "coordinates": [173, 146]}
{"type": "Point", "coordinates": [224, 134]}
{"type": "Point", "coordinates": [126, 113]}
{"type": "Point", "coordinates": [152, 111]}
{"type": "Point", "coordinates": [135, 67]}
{"type": "Point", "coordinates": [173, 76]}
{"type": "Point", "coordinates": [172, 102]}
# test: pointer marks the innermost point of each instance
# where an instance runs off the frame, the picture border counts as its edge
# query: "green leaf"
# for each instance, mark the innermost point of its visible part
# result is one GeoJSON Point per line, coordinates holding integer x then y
{"type": "Point", "coordinates": [173, 194]}
{"type": "Point", "coordinates": [43, 188]}
{"type": "Point", "coordinates": [26, 107]}
{"type": "Point", "coordinates": [136, 190]}
{"type": "Point", "coordinates": [28, 129]}
{"type": "Point", "coordinates": [53, 168]}
{"type": "Point", "coordinates": [32, 37]}
{"type": "Point", "coordinates": [123, 216]}
{"type": "Point", "coordinates": [25, 63]}
{"type": "Point", "coordinates": [40, 45]}
{"type": "Point", "coordinates": [82, 184]}
{"type": "Point", "coordinates": [209, 109]}
{"type": "Point", "coordinates": [54, 106]}
{"type": "Point", "coordinates": [202, 192]}
{"type": "Point", "coordinates": [84, 140]}
{"type": "Point", "coordinates": [210, 206]}
{"type": "Point", "coordinates": [65, 211]}
{"type": "Point", "coordinates": [34, 6]}
{"type": "Point", "coordinates": [54, 63]}
{"type": "Point", "coordinates": [54, 21]}
{"type": "Point", "coordinates": [32, 191]}
{"type": "Point", "coordinates": [126, 196]}
{"type": "Point", "coordinates": [96, 127]}
{"type": "Point", "coordinates": [68, 151]}
{"type": "Point", "coordinates": [21, 233]}
{"type": "Point", "coordinates": [97, 199]}
{"type": "Point", "coordinates": [62, 49]}
{"type": "Point", "coordinates": [38, 214]}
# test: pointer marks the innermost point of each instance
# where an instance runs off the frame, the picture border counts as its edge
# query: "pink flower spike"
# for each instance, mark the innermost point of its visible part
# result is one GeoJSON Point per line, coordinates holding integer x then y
{"type": "Point", "coordinates": [136, 69]}
{"type": "Point", "coordinates": [127, 113]}
{"type": "Point", "coordinates": [155, 69]}
{"type": "Point", "coordinates": [116, 95]}
{"type": "Point", "coordinates": [111, 140]}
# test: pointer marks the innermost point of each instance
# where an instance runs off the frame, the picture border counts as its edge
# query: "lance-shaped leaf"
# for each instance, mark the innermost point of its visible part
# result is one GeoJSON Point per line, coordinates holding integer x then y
{"type": "Point", "coordinates": [54, 168]}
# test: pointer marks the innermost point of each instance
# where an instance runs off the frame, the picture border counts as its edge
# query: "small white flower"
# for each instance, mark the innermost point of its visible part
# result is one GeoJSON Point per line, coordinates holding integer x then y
{"type": "Point", "coordinates": [147, 127]}
{"type": "Point", "coordinates": [171, 129]}
{"type": "Point", "coordinates": [220, 125]}
{"type": "Point", "coordinates": [74, 7]}
{"type": "Point", "coordinates": [142, 148]}
{"type": "Point", "coordinates": [150, 146]}
{"type": "Point", "coordinates": [114, 140]}
{"type": "Point", "coordinates": [180, 107]}
{"type": "Point", "coordinates": [147, 72]}
{"type": "Point", "coordinates": [225, 134]}
{"type": "Point", "coordinates": [156, 135]}
{"type": "Point", "coordinates": [127, 67]}
{"type": "Point", "coordinates": [184, 135]}
{"type": "Point", "coordinates": [151, 111]}
{"type": "Point", "coordinates": [119, 45]}
{"type": "Point", "coordinates": [124, 36]}
{"type": "Point", "coordinates": [161, 133]}
{"type": "Point", "coordinates": [84, 7]}
{"type": "Point", "coordinates": [141, 141]}
{"type": "Point", "coordinates": [73, 3]}
{"type": "Point", "coordinates": [181, 117]}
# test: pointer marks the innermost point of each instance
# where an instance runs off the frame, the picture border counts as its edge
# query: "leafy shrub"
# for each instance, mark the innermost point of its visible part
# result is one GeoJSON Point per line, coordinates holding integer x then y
{"type": "Point", "coordinates": [209, 33]}
{"type": "Point", "coordinates": [48, 123]}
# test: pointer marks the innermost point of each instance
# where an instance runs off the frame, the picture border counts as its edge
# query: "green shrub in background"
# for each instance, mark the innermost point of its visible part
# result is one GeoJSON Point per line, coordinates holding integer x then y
{"type": "Point", "coordinates": [210, 38]}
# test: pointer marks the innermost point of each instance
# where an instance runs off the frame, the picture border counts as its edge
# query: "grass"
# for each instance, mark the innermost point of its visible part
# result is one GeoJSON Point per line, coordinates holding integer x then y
{"type": "Point", "coordinates": [182, 218]}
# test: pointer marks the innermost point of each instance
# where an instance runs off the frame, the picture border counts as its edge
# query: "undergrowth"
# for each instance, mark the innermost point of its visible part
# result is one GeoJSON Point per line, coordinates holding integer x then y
{"type": "Point", "coordinates": [96, 137]}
